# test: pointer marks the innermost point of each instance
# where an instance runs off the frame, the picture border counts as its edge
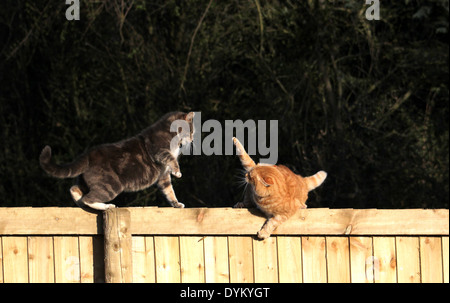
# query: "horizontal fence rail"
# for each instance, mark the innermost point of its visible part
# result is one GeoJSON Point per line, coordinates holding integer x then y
{"type": "Point", "coordinates": [218, 245]}
{"type": "Point", "coordinates": [226, 221]}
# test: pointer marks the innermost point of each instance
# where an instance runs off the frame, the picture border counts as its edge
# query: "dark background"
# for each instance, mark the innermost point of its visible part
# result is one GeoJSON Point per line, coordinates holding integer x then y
{"type": "Point", "coordinates": [366, 101]}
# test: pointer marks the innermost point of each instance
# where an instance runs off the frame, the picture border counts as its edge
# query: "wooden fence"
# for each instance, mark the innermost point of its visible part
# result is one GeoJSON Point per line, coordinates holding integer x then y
{"type": "Point", "coordinates": [217, 245]}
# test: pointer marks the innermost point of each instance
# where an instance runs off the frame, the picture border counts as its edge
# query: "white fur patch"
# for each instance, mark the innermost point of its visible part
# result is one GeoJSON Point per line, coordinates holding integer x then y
{"type": "Point", "coordinates": [265, 164]}
{"type": "Point", "coordinates": [175, 153]}
{"type": "Point", "coordinates": [177, 174]}
{"type": "Point", "coordinates": [76, 193]}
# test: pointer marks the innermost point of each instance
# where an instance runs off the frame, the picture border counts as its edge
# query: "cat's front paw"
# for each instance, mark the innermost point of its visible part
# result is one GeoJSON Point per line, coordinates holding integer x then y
{"type": "Point", "coordinates": [178, 205]}
{"type": "Point", "coordinates": [239, 205]}
{"type": "Point", "coordinates": [262, 234]}
{"type": "Point", "coordinates": [176, 174]}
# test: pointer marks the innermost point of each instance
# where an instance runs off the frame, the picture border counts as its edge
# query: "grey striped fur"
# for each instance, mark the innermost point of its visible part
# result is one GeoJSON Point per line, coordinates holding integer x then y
{"type": "Point", "coordinates": [132, 164]}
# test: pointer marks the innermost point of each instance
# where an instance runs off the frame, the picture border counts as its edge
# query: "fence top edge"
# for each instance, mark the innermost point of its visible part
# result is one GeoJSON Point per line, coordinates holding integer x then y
{"type": "Point", "coordinates": [168, 208]}
{"type": "Point", "coordinates": [66, 221]}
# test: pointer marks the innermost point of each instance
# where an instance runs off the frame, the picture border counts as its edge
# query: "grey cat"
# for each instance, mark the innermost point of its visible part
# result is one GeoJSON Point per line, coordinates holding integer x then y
{"type": "Point", "coordinates": [132, 164]}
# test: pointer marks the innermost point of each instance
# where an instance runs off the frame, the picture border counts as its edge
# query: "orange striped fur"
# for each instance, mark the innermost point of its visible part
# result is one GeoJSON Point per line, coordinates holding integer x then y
{"type": "Point", "coordinates": [274, 189]}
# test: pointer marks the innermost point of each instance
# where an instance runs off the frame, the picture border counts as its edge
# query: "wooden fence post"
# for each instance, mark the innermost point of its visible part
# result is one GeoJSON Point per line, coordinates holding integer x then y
{"type": "Point", "coordinates": [118, 262]}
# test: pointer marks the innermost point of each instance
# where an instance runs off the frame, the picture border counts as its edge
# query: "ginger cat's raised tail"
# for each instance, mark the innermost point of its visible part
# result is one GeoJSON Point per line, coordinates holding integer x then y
{"type": "Point", "coordinates": [315, 180]}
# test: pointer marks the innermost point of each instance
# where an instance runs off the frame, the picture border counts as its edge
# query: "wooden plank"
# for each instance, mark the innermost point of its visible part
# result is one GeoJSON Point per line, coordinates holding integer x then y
{"type": "Point", "coordinates": [216, 260]}
{"type": "Point", "coordinates": [314, 262]}
{"type": "Point", "coordinates": [15, 259]}
{"type": "Point", "coordinates": [408, 259]}
{"type": "Point", "coordinates": [143, 260]}
{"type": "Point", "coordinates": [265, 261]}
{"type": "Point", "coordinates": [445, 260]}
{"type": "Point", "coordinates": [48, 221]}
{"type": "Point", "coordinates": [240, 251]}
{"type": "Point", "coordinates": [40, 260]}
{"type": "Point", "coordinates": [86, 259]}
{"type": "Point", "coordinates": [150, 260]}
{"type": "Point", "coordinates": [361, 259]}
{"type": "Point", "coordinates": [167, 259]}
{"type": "Point", "coordinates": [192, 260]}
{"type": "Point", "coordinates": [118, 242]}
{"type": "Point", "coordinates": [289, 259]}
{"type": "Point", "coordinates": [385, 262]}
{"type": "Point", "coordinates": [67, 259]}
{"type": "Point", "coordinates": [203, 221]}
{"type": "Point", "coordinates": [338, 260]}
{"type": "Point", "coordinates": [431, 259]}
{"type": "Point", "coordinates": [1, 261]}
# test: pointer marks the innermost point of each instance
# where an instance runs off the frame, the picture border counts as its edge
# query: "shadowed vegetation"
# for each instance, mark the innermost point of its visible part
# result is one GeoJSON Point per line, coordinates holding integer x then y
{"type": "Point", "coordinates": [366, 101]}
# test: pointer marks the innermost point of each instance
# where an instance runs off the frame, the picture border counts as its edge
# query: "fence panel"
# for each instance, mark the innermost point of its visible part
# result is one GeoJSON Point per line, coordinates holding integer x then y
{"type": "Point", "coordinates": [41, 260]}
{"type": "Point", "coordinates": [15, 259]}
{"type": "Point", "coordinates": [289, 259]}
{"type": "Point", "coordinates": [346, 249]}
{"type": "Point", "coordinates": [167, 259]}
{"type": "Point", "coordinates": [431, 259]}
{"type": "Point", "coordinates": [361, 259]}
{"type": "Point", "coordinates": [314, 260]}
{"type": "Point", "coordinates": [216, 259]}
{"type": "Point", "coordinates": [408, 259]}
{"type": "Point", "coordinates": [241, 259]}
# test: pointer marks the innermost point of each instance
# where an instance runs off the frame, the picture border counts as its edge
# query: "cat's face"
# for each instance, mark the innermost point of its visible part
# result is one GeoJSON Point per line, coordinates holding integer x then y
{"type": "Point", "coordinates": [188, 137]}
{"type": "Point", "coordinates": [182, 127]}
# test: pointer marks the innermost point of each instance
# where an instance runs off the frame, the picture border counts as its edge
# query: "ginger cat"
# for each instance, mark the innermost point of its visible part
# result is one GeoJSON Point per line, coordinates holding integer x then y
{"type": "Point", "coordinates": [275, 190]}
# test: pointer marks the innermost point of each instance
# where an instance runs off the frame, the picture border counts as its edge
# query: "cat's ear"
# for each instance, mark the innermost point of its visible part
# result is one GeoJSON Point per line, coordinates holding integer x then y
{"type": "Point", "coordinates": [190, 117]}
{"type": "Point", "coordinates": [267, 181]}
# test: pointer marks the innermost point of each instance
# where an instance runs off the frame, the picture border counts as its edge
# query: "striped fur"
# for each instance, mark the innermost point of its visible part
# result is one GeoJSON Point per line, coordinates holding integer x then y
{"type": "Point", "coordinates": [246, 161]}
{"type": "Point", "coordinates": [274, 189]}
{"type": "Point", "coordinates": [70, 170]}
{"type": "Point", "coordinates": [129, 165]}
{"type": "Point", "coordinates": [315, 180]}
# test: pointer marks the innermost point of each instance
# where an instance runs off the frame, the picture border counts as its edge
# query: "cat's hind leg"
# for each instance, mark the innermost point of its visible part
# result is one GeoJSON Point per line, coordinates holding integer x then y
{"type": "Point", "coordinates": [96, 198]}
{"type": "Point", "coordinates": [77, 194]}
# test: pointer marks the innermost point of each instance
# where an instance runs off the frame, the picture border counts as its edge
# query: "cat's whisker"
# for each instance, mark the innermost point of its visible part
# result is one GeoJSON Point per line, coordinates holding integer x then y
{"type": "Point", "coordinates": [240, 178]}
{"type": "Point", "coordinates": [240, 182]}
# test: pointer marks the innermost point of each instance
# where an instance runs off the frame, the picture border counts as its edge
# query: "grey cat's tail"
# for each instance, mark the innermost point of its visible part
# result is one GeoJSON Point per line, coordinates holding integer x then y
{"type": "Point", "coordinates": [70, 170]}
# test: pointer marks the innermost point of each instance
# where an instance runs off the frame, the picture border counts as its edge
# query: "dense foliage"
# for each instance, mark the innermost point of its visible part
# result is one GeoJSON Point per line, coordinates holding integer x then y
{"type": "Point", "coordinates": [367, 101]}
